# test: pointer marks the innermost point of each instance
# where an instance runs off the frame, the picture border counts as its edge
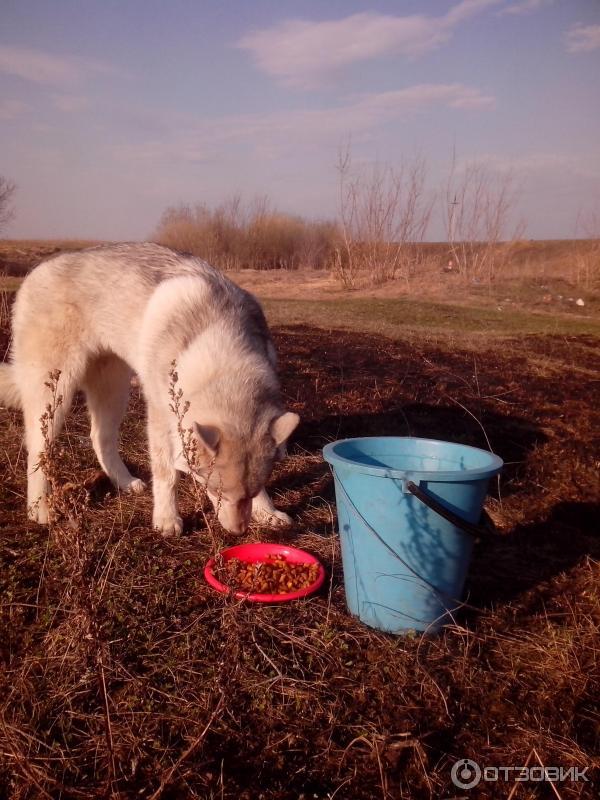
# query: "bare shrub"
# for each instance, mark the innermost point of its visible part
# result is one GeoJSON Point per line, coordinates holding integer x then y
{"type": "Point", "coordinates": [237, 236]}
{"type": "Point", "coordinates": [318, 244]}
{"type": "Point", "coordinates": [384, 214]}
{"type": "Point", "coordinates": [587, 251]}
{"type": "Point", "coordinates": [274, 241]}
{"type": "Point", "coordinates": [7, 190]}
{"type": "Point", "coordinates": [280, 241]}
{"type": "Point", "coordinates": [187, 229]}
{"type": "Point", "coordinates": [479, 208]}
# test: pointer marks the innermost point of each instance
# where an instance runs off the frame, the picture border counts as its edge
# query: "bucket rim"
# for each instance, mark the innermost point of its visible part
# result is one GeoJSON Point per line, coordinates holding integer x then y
{"type": "Point", "coordinates": [476, 473]}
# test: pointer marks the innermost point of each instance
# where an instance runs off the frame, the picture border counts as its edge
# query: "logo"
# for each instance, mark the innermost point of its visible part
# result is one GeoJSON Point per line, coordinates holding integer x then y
{"type": "Point", "coordinates": [466, 773]}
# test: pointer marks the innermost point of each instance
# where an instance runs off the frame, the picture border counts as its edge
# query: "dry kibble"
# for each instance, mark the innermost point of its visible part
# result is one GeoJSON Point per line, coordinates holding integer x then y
{"type": "Point", "coordinates": [275, 576]}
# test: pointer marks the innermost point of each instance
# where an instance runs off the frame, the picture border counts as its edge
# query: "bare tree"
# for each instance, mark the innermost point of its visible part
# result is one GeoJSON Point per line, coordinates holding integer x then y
{"type": "Point", "coordinates": [479, 208]}
{"type": "Point", "coordinates": [346, 260]}
{"type": "Point", "coordinates": [7, 190]}
{"type": "Point", "coordinates": [384, 215]}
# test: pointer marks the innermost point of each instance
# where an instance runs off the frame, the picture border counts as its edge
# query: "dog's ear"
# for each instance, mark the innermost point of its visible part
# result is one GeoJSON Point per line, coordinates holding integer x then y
{"type": "Point", "coordinates": [282, 427]}
{"type": "Point", "coordinates": [209, 437]}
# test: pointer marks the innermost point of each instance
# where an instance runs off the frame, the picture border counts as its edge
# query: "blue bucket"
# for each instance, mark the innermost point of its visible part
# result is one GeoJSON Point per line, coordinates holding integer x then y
{"type": "Point", "coordinates": [405, 557]}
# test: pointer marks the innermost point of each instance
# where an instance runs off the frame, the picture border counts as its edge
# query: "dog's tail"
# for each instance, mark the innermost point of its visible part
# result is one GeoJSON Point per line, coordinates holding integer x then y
{"type": "Point", "coordinates": [9, 392]}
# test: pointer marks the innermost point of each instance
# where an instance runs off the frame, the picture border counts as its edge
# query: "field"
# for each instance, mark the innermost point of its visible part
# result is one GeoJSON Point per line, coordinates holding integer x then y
{"type": "Point", "coordinates": [124, 675]}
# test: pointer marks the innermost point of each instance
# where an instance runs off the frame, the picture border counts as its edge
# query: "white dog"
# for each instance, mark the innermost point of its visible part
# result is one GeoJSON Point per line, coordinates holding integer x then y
{"type": "Point", "coordinates": [101, 313]}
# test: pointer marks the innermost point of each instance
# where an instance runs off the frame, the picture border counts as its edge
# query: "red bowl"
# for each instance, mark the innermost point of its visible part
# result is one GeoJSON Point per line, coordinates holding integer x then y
{"type": "Point", "coordinates": [261, 552]}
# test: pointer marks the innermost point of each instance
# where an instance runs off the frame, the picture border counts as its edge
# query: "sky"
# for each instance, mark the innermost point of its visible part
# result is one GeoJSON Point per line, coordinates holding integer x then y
{"type": "Point", "coordinates": [113, 110]}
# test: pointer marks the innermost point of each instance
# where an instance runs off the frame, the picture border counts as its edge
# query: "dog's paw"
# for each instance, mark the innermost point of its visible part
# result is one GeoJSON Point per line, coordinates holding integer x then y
{"type": "Point", "coordinates": [168, 525]}
{"type": "Point", "coordinates": [274, 519]}
{"type": "Point", "coordinates": [136, 486]}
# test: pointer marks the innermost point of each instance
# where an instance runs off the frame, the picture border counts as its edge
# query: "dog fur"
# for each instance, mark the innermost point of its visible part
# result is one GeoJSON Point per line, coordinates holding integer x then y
{"type": "Point", "coordinates": [101, 314]}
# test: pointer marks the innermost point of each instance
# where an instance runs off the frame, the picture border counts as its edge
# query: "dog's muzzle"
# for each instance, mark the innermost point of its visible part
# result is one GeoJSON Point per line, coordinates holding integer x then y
{"type": "Point", "coordinates": [235, 517]}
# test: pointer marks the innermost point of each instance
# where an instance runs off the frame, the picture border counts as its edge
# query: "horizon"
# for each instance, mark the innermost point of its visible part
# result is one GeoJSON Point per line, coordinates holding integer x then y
{"type": "Point", "coordinates": [109, 116]}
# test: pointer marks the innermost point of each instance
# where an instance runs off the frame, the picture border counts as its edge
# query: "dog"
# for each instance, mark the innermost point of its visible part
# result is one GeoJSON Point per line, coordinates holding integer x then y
{"type": "Point", "coordinates": [99, 315]}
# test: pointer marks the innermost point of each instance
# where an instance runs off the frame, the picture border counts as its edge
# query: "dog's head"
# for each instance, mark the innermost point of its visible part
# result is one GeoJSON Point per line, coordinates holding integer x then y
{"type": "Point", "coordinates": [236, 465]}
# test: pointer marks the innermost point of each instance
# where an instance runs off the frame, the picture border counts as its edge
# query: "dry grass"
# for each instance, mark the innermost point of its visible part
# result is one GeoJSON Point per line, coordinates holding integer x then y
{"type": "Point", "coordinates": [575, 262]}
{"type": "Point", "coordinates": [125, 676]}
{"type": "Point", "coordinates": [18, 256]}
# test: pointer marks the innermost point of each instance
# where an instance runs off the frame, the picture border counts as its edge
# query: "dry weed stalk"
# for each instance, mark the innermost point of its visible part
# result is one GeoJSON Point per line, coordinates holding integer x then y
{"type": "Point", "coordinates": [4, 305]}
{"type": "Point", "coordinates": [189, 448]}
{"type": "Point", "coordinates": [65, 501]}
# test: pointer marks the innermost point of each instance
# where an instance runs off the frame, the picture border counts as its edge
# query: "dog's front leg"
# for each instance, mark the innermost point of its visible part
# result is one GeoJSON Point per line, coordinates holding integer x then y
{"type": "Point", "coordinates": [264, 511]}
{"type": "Point", "coordinates": [164, 475]}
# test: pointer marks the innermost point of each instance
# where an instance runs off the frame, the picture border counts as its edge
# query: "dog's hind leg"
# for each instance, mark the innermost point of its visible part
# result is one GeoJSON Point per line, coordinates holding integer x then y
{"type": "Point", "coordinates": [42, 397]}
{"type": "Point", "coordinates": [106, 386]}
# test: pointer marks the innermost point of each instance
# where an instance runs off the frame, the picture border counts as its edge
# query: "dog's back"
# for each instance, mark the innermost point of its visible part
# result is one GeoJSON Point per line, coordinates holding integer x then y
{"type": "Point", "coordinates": [95, 301]}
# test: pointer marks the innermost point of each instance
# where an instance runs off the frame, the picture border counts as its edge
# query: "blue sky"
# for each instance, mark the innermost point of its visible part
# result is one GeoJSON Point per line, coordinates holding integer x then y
{"type": "Point", "coordinates": [112, 110]}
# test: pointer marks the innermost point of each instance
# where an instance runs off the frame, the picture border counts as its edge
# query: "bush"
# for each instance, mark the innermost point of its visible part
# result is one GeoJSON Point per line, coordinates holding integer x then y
{"type": "Point", "coordinates": [232, 236]}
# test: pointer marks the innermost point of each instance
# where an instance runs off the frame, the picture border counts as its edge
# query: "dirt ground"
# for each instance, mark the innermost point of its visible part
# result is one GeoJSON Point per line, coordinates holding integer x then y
{"type": "Point", "coordinates": [124, 675]}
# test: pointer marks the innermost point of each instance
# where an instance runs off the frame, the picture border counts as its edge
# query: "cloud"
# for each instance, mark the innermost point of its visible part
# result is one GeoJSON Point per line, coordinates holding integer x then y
{"type": "Point", "coordinates": [525, 7]}
{"type": "Point", "coordinates": [48, 69]}
{"type": "Point", "coordinates": [301, 53]}
{"type": "Point", "coordinates": [278, 133]}
{"type": "Point", "coordinates": [12, 109]}
{"type": "Point", "coordinates": [464, 10]}
{"type": "Point", "coordinates": [583, 38]}
{"type": "Point", "coordinates": [70, 103]}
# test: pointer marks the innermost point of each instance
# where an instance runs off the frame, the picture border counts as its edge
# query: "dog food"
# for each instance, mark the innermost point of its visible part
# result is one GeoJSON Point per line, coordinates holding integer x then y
{"type": "Point", "coordinates": [274, 576]}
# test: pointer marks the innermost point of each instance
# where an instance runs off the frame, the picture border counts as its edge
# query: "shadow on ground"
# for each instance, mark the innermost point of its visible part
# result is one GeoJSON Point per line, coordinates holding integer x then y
{"type": "Point", "coordinates": [506, 567]}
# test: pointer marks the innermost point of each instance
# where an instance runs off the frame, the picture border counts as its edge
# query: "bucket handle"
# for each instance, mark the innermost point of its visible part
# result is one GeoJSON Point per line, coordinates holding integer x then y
{"type": "Point", "coordinates": [468, 527]}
